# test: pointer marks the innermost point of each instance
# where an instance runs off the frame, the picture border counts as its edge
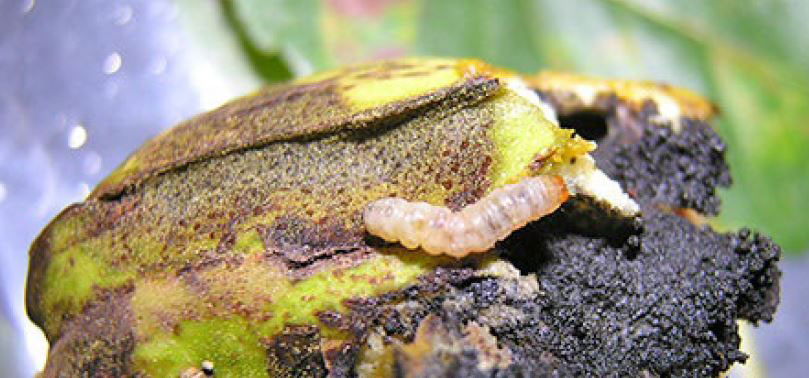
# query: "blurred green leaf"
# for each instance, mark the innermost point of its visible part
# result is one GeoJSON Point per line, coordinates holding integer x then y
{"type": "Point", "coordinates": [225, 61]}
{"type": "Point", "coordinates": [266, 62]}
{"type": "Point", "coordinates": [289, 28]}
{"type": "Point", "coordinates": [498, 32]}
{"type": "Point", "coordinates": [750, 57]}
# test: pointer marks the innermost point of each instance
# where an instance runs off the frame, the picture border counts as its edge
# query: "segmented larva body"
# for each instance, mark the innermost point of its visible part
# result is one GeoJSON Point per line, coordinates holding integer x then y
{"type": "Point", "coordinates": [475, 228]}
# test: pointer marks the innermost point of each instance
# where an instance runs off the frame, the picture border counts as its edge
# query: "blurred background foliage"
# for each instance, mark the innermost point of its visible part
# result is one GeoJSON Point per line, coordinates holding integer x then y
{"type": "Point", "coordinates": [749, 57]}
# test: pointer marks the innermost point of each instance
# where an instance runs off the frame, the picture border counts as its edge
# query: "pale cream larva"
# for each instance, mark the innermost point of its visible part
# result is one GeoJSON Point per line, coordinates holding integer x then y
{"type": "Point", "coordinates": [475, 228]}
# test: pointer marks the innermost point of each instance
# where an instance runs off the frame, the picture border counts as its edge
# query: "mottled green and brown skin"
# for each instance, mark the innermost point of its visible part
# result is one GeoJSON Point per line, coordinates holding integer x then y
{"type": "Point", "coordinates": [220, 236]}
{"type": "Point", "coordinates": [236, 238]}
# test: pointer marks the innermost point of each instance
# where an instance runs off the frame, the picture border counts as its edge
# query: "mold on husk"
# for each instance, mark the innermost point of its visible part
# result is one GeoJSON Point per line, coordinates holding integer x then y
{"type": "Point", "coordinates": [237, 239]}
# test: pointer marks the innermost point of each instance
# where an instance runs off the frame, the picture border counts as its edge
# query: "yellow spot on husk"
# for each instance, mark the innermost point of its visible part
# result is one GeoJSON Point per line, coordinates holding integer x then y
{"type": "Point", "coordinates": [522, 135]}
{"type": "Point", "coordinates": [72, 276]}
{"type": "Point", "coordinates": [381, 86]}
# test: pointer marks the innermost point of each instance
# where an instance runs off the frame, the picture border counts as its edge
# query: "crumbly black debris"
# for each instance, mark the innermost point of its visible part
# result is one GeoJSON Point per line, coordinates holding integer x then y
{"type": "Point", "coordinates": [662, 303]}
{"type": "Point", "coordinates": [679, 170]}
{"type": "Point", "coordinates": [653, 163]}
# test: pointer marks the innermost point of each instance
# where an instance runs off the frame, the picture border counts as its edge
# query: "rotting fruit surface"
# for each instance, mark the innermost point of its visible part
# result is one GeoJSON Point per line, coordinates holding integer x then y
{"type": "Point", "coordinates": [237, 238]}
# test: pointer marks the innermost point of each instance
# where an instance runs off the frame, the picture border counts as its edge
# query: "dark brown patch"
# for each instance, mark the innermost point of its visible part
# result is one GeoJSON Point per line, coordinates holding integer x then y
{"type": "Point", "coordinates": [299, 239]}
{"type": "Point", "coordinates": [305, 246]}
{"type": "Point", "coordinates": [97, 343]}
{"type": "Point", "coordinates": [295, 353]}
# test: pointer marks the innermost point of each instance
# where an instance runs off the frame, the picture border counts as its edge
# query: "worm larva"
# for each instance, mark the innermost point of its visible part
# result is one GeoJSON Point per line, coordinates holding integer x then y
{"type": "Point", "coordinates": [475, 228]}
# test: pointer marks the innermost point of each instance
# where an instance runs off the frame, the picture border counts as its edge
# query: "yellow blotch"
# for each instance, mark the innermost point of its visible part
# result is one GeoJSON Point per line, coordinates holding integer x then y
{"type": "Point", "coordinates": [384, 85]}
{"type": "Point", "coordinates": [375, 84]}
{"type": "Point", "coordinates": [522, 135]}
{"type": "Point", "coordinates": [327, 290]}
{"type": "Point", "coordinates": [72, 277]}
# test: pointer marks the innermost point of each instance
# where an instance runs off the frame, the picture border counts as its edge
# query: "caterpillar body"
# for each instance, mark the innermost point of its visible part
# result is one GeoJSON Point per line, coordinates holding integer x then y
{"type": "Point", "coordinates": [475, 228]}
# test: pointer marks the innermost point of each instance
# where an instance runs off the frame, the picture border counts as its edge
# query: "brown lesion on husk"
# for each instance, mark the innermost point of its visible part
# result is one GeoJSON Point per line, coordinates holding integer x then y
{"type": "Point", "coordinates": [97, 343]}
{"type": "Point", "coordinates": [308, 216]}
{"type": "Point", "coordinates": [278, 113]}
